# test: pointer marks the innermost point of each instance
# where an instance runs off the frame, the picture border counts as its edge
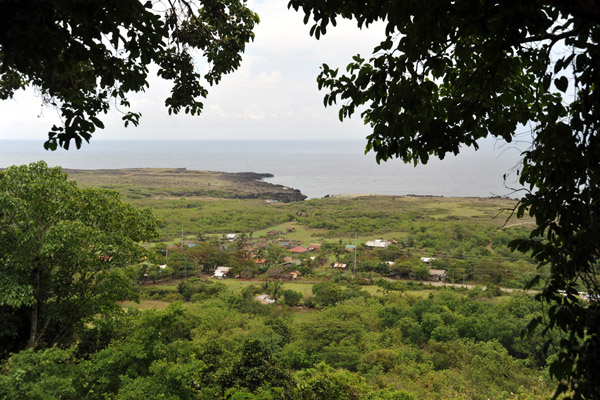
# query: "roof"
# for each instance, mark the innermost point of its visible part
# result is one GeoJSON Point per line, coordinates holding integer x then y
{"type": "Point", "coordinates": [378, 243]}
{"type": "Point", "coordinates": [427, 259]}
{"type": "Point", "coordinates": [299, 249]}
{"type": "Point", "coordinates": [222, 271]}
{"type": "Point", "coordinates": [315, 246]}
{"type": "Point", "coordinates": [291, 260]}
{"type": "Point", "coordinates": [339, 265]}
{"type": "Point", "coordinates": [437, 272]}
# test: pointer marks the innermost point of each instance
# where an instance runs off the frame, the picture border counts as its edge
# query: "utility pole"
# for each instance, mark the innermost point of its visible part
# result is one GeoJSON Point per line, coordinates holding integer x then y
{"type": "Point", "coordinates": [185, 264]}
{"type": "Point", "coordinates": [355, 246]}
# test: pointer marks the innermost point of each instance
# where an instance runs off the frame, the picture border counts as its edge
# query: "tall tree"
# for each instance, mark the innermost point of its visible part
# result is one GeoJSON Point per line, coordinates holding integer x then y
{"type": "Point", "coordinates": [451, 72]}
{"type": "Point", "coordinates": [83, 55]}
{"type": "Point", "coordinates": [64, 254]}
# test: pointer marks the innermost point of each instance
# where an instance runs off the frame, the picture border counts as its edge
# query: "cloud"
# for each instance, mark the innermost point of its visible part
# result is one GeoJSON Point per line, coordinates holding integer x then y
{"type": "Point", "coordinates": [273, 94]}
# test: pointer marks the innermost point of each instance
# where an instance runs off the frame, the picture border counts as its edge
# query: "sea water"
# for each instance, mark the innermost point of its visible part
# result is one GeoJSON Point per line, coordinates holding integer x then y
{"type": "Point", "coordinates": [316, 167]}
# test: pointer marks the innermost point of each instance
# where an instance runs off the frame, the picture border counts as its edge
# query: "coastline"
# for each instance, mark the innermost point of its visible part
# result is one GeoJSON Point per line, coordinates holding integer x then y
{"type": "Point", "coordinates": [183, 182]}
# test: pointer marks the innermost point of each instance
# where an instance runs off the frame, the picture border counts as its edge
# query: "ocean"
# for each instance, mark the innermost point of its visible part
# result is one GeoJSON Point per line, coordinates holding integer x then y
{"type": "Point", "coordinates": [316, 167]}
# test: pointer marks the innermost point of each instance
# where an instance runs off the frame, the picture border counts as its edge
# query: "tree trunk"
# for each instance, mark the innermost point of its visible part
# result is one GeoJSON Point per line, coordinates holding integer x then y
{"type": "Point", "coordinates": [33, 330]}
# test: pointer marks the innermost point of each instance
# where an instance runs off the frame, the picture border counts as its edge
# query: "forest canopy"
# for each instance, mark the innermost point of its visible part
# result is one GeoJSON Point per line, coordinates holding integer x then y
{"type": "Point", "coordinates": [66, 255]}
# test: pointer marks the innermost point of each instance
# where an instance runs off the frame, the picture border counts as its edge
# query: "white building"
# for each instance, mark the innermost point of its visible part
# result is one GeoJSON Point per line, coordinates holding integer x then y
{"type": "Point", "coordinates": [379, 243]}
{"type": "Point", "coordinates": [221, 272]}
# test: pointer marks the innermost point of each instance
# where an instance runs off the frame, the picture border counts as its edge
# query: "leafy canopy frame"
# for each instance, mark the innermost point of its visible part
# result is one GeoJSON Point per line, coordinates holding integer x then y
{"type": "Point", "coordinates": [86, 56]}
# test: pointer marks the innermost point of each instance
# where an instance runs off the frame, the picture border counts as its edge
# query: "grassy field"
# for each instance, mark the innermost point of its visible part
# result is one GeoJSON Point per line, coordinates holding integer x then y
{"type": "Point", "coordinates": [304, 287]}
{"type": "Point", "coordinates": [145, 304]}
{"type": "Point", "coordinates": [215, 202]}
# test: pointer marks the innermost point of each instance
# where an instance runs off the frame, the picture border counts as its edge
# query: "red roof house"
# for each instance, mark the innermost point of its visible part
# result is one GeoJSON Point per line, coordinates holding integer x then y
{"type": "Point", "coordinates": [299, 249]}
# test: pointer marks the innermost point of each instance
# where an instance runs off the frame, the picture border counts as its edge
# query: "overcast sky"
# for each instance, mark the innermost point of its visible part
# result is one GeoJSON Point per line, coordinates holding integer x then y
{"type": "Point", "coordinates": [273, 95]}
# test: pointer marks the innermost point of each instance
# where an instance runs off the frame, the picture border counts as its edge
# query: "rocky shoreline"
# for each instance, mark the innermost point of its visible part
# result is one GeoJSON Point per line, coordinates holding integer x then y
{"type": "Point", "coordinates": [181, 182]}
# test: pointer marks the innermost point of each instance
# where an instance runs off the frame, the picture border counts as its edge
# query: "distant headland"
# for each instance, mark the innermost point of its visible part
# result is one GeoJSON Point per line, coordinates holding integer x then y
{"type": "Point", "coordinates": [182, 182]}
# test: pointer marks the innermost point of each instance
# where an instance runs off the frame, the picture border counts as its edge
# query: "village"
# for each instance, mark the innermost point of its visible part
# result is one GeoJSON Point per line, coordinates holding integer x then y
{"type": "Point", "coordinates": [273, 256]}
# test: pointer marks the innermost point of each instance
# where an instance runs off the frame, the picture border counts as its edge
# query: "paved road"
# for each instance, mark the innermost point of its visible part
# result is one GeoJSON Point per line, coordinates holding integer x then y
{"type": "Point", "coordinates": [464, 285]}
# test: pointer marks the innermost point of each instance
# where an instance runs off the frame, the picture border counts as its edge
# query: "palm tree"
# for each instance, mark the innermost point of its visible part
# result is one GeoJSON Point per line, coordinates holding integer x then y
{"type": "Point", "coordinates": [275, 290]}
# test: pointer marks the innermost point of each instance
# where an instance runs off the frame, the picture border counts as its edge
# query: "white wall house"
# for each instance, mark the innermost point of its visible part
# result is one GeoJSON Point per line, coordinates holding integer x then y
{"type": "Point", "coordinates": [221, 272]}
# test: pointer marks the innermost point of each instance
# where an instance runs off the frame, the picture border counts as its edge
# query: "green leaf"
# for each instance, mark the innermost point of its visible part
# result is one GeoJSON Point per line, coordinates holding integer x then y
{"type": "Point", "coordinates": [562, 83]}
{"type": "Point", "coordinates": [97, 122]}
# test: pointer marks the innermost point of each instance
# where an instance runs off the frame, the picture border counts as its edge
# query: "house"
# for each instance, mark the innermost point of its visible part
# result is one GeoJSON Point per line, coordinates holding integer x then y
{"type": "Point", "coordinates": [272, 233]}
{"type": "Point", "coordinates": [437, 275]}
{"type": "Point", "coordinates": [261, 261]}
{"type": "Point", "coordinates": [378, 243]}
{"type": "Point", "coordinates": [294, 274]}
{"type": "Point", "coordinates": [314, 246]}
{"type": "Point", "coordinates": [291, 229]}
{"type": "Point", "coordinates": [290, 261]}
{"type": "Point", "coordinates": [298, 249]}
{"type": "Point", "coordinates": [221, 272]}
{"type": "Point", "coordinates": [285, 245]}
{"type": "Point", "coordinates": [350, 247]}
{"type": "Point", "coordinates": [191, 245]}
{"type": "Point", "coordinates": [339, 265]}
{"type": "Point", "coordinates": [231, 236]}
{"type": "Point", "coordinates": [427, 260]}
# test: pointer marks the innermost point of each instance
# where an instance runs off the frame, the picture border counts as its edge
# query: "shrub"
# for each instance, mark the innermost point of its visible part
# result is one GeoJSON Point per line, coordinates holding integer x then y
{"type": "Point", "coordinates": [204, 289]}
{"type": "Point", "coordinates": [291, 298]}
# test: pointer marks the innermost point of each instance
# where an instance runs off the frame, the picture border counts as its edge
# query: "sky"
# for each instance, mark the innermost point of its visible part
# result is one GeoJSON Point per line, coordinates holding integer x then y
{"type": "Point", "coordinates": [273, 95]}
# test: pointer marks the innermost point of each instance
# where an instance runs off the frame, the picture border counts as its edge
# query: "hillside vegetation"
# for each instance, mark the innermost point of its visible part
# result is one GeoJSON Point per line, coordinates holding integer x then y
{"type": "Point", "coordinates": [381, 332]}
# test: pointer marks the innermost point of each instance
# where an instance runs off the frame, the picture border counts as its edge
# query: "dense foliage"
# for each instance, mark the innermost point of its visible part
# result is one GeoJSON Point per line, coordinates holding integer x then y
{"type": "Point", "coordinates": [230, 346]}
{"type": "Point", "coordinates": [64, 255]}
{"type": "Point", "coordinates": [84, 56]}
